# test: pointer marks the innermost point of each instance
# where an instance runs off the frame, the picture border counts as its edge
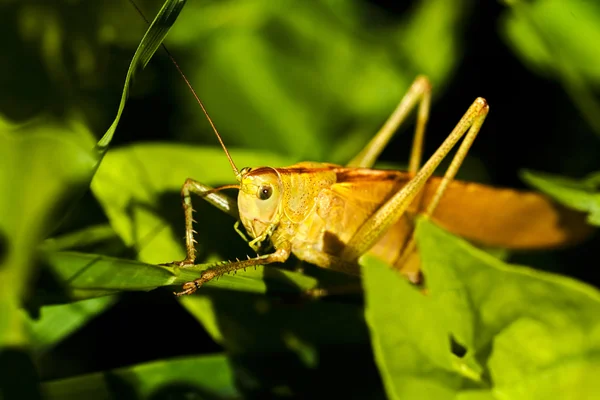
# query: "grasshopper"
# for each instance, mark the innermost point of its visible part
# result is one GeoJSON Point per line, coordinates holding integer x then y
{"type": "Point", "coordinates": [330, 215]}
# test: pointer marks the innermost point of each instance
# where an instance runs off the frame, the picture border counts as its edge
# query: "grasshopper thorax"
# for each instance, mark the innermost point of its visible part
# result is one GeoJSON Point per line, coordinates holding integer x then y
{"type": "Point", "coordinates": [259, 200]}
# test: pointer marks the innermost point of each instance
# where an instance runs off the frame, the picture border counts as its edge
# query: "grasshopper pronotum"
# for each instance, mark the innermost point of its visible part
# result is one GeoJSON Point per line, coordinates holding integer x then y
{"type": "Point", "coordinates": [330, 215]}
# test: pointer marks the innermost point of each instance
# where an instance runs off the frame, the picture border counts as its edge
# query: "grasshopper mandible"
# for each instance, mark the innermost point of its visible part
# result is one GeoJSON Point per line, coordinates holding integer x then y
{"type": "Point", "coordinates": [329, 215]}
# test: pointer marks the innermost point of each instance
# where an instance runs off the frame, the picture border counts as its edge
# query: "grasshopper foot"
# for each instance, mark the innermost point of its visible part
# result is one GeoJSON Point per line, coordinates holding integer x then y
{"type": "Point", "coordinates": [189, 288]}
{"type": "Point", "coordinates": [207, 275]}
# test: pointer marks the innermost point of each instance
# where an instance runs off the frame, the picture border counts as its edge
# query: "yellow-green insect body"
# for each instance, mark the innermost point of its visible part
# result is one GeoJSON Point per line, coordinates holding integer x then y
{"type": "Point", "coordinates": [329, 215]}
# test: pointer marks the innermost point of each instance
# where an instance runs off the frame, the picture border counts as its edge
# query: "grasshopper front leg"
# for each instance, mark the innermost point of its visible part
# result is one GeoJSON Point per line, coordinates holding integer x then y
{"type": "Point", "coordinates": [279, 256]}
{"type": "Point", "coordinates": [214, 197]}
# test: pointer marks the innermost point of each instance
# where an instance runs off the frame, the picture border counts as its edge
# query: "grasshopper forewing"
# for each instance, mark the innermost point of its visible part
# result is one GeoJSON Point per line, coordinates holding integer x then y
{"type": "Point", "coordinates": [330, 215]}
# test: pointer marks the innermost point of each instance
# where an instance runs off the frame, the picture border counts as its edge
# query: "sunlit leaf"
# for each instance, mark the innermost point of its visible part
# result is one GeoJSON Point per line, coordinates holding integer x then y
{"type": "Point", "coordinates": [534, 333]}
{"type": "Point", "coordinates": [92, 275]}
{"type": "Point", "coordinates": [528, 351]}
{"type": "Point", "coordinates": [190, 377]}
{"type": "Point", "coordinates": [411, 336]}
{"type": "Point", "coordinates": [132, 182]}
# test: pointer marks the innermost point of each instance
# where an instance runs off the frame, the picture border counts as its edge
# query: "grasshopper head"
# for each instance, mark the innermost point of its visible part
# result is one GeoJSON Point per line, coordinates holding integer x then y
{"type": "Point", "coordinates": [259, 199]}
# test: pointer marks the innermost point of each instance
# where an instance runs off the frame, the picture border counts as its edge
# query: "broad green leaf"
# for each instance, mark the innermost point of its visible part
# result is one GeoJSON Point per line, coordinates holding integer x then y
{"type": "Point", "coordinates": [189, 377]}
{"type": "Point", "coordinates": [411, 337]}
{"type": "Point", "coordinates": [558, 38]}
{"type": "Point", "coordinates": [56, 322]}
{"type": "Point", "coordinates": [527, 325]}
{"type": "Point", "coordinates": [582, 194]}
{"type": "Point", "coordinates": [523, 333]}
{"type": "Point", "coordinates": [92, 275]}
{"type": "Point", "coordinates": [133, 181]}
{"type": "Point", "coordinates": [476, 394]}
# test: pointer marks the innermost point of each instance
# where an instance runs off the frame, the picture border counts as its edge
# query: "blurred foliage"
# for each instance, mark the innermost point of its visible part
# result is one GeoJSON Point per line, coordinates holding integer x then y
{"type": "Point", "coordinates": [284, 81]}
{"type": "Point", "coordinates": [310, 73]}
{"type": "Point", "coordinates": [177, 378]}
{"type": "Point", "coordinates": [559, 39]}
{"type": "Point", "coordinates": [582, 194]}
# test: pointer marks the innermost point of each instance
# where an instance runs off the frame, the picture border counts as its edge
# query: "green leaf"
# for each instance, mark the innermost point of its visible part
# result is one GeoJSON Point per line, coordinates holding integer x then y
{"type": "Point", "coordinates": [517, 332]}
{"type": "Point", "coordinates": [44, 165]}
{"type": "Point", "coordinates": [411, 337]}
{"type": "Point", "coordinates": [542, 30]}
{"type": "Point", "coordinates": [189, 377]}
{"type": "Point", "coordinates": [151, 41]}
{"type": "Point", "coordinates": [141, 198]}
{"type": "Point", "coordinates": [527, 325]}
{"type": "Point", "coordinates": [56, 322]}
{"type": "Point", "coordinates": [92, 275]}
{"type": "Point", "coordinates": [88, 236]}
{"type": "Point", "coordinates": [582, 194]}
{"type": "Point", "coordinates": [559, 39]}
{"type": "Point", "coordinates": [131, 187]}
{"type": "Point", "coordinates": [201, 307]}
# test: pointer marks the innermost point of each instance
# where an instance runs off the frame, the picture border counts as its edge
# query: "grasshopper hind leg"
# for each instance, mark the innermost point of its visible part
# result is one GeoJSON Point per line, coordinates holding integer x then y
{"type": "Point", "coordinates": [393, 209]}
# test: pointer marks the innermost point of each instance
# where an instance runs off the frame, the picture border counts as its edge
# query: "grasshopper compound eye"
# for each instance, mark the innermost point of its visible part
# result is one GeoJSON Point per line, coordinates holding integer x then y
{"type": "Point", "coordinates": [265, 192]}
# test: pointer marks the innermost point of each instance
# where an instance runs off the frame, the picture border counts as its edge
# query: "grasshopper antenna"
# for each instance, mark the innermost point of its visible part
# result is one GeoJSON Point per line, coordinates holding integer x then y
{"type": "Point", "coordinates": [189, 85]}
